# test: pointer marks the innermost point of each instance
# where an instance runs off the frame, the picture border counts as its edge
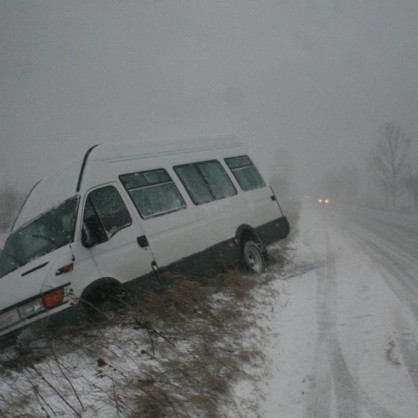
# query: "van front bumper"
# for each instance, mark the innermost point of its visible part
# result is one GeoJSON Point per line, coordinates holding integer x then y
{"type": "Point", "coordinates": [19, 316]}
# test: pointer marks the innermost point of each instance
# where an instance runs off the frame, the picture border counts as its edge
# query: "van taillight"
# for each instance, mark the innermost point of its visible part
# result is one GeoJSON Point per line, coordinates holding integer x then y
{"type": "Point", "coordinates": [55, 298]}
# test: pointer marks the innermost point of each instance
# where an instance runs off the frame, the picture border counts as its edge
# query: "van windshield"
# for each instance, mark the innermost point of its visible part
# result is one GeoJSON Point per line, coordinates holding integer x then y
{"type": "Point", "coordinates": [46, 233]}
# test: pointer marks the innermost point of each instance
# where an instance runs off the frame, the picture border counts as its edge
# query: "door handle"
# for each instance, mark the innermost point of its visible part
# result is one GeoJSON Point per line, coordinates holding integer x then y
{"type": "Point", "coordinates": [142, 241]}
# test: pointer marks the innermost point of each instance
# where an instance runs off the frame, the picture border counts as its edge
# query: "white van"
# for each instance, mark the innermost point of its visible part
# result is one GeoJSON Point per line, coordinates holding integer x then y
{"type": "Point", "coordinates": [131, 210]}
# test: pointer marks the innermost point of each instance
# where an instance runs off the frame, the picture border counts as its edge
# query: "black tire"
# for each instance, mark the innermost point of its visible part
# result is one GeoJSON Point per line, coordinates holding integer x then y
{"type": "Point", "coordinates": [253, 258]}
{"type": "Point", "coordinates": [106, 302]}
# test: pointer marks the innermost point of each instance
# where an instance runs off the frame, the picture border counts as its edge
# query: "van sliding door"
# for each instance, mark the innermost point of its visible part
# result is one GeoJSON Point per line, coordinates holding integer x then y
{"type": "Point", "coordinates": [170, 226]}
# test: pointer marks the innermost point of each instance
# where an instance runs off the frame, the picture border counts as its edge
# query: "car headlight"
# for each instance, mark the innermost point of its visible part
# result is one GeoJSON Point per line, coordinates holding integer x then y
{"type": "Point", "coordinates": [31, 308]}
{"type": "Point", "coordinates": [9, 318]}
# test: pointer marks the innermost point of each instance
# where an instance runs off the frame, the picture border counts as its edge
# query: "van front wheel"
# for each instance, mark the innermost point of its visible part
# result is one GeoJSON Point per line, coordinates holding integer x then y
{"type": "Point", "coordinates": [106, 301]}
{"type": "Point", "coordinates": [253, 258]}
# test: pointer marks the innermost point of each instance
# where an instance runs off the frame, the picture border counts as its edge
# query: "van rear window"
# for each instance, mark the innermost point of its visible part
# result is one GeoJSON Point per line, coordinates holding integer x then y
{"type": "Point", "coordinates": [153, 192]}
{"type": "Point", "coordinates": [205, 181]}
{"type": "Point", "coordinates": [245, 172]}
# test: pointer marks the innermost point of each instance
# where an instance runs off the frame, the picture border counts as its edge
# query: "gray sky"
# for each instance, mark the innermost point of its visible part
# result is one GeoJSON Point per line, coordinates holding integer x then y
{"type": "Point", "coordinates": [313, 77]}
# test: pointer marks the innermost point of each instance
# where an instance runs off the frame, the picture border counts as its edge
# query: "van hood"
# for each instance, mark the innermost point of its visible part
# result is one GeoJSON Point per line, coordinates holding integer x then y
{"type": "Point", "coordinates": [50, 192]}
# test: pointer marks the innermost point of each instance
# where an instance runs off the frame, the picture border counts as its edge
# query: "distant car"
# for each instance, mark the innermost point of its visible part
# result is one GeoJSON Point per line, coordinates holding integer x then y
{"type": "Point", "coordinates": [323, 201]}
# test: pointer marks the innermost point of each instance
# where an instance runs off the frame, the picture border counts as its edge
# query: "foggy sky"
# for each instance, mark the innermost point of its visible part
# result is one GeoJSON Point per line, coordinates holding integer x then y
{"type": "Point", "coordinates": [313, 79]}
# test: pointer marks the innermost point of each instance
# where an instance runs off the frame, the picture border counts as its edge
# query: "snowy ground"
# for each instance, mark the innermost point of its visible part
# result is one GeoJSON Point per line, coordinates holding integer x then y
{"type": "Point", "coordinates": [330, 332]}
{"type": "Point", "coordinates": [344, 339]}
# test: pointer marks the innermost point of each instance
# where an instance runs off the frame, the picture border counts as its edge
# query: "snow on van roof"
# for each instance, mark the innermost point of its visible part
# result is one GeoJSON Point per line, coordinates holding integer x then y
{"type": "Point", "coordinates": [161, 146]}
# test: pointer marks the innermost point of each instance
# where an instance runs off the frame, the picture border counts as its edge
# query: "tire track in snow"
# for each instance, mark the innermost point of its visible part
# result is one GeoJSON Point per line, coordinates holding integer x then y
{"type": "Point", "coordinates": [405, 286]}
{"type": "Point", "coordinates": [408, 348]}
{"type": "Point", "coordinates": [395, 256]}
{"type": "Point", "coordinates": [396, 264]}
{"type": "Point", "coordinates": [330, 371]}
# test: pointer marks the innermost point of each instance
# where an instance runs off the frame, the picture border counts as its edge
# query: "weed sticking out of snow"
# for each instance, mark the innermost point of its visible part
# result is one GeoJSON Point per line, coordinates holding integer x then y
{"type": "Point", "coordinates": [390, 353]}
{"type": "Point", "coordinates": [175, 352]}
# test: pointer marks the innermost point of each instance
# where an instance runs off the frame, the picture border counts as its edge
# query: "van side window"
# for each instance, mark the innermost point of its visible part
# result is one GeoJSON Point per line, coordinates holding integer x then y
{"type": "Point", "coordinates": [205, 181]}
{"type": "Point", "coordinates": [106, 213]}
{"type": "Point", "coordinates": [245, 172]}
{"type": "Point", "coordinates": [153, 192]}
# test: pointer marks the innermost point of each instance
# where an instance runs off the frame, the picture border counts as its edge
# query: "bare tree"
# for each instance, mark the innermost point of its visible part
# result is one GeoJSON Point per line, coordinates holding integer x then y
{"type": "Point", "coordinates": [10, 201]}
{"type": "Point", "coordinates": [411, 186]}
{"type": "Point", "coordinates": [388, 160]}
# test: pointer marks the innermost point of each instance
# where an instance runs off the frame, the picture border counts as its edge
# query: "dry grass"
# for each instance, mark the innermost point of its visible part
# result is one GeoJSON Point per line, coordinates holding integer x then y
{"type": "Point", "coordinates": [177, 352]}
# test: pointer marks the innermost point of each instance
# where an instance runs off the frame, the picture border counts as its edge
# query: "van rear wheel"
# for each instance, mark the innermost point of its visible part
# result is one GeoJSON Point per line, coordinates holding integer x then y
{"type": "Point", "coordinates": [253, 258]}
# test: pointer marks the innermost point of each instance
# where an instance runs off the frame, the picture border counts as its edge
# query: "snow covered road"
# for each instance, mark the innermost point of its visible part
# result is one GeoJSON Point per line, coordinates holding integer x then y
{"type": "Point", "coordinates": [345, 333]}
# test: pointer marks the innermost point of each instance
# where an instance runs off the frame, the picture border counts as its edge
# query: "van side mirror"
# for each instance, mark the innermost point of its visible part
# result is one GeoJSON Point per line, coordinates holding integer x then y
{"type": "Point", "coordinates": [93, 232]}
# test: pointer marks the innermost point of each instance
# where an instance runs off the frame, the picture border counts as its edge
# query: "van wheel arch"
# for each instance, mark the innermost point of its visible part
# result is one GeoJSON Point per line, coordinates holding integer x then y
{"type": "Point", "coordinates": [103, 298]}
{"type": "Point", "coordinates": [253, 252]}
{"type": "Point", "coordinates": [248, 233]}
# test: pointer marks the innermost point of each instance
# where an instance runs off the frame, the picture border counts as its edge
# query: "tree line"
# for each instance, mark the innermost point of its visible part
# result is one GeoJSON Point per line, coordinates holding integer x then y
{"type": "Point", "coordinates": [393, 172]}
{"type": "Point", "coordinates": [390, 176]}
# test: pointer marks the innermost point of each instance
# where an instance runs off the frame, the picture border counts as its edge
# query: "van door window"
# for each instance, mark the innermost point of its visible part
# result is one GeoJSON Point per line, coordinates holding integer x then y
{"type": "Point", "coordinates": [105, 214]}
{"type": "Point", "coordinates": [245, 172]}
{"type": "Point", "coordinates": [205, 181]}
{"type": "Point", "coordinates": [153, 192]}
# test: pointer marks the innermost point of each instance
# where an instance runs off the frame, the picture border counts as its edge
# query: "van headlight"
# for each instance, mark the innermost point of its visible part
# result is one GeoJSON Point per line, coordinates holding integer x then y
{"type": "Point", "coordinates": [31, 308]}
{"type": "Point", "coordinates": [46, 302]}
{"type": "Point", "coordinates": [9, 318]}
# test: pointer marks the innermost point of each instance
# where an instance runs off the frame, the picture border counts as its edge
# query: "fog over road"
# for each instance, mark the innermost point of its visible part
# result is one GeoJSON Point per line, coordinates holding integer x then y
{"type": "Point", "coordinates": [347, 324]}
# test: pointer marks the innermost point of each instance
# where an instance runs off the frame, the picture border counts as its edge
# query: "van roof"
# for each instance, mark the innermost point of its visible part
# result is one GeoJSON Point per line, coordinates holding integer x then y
{"type": "Point", "coordinates": [64, 183]}
{"type": "Point", "coordinates": [160, 147]}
